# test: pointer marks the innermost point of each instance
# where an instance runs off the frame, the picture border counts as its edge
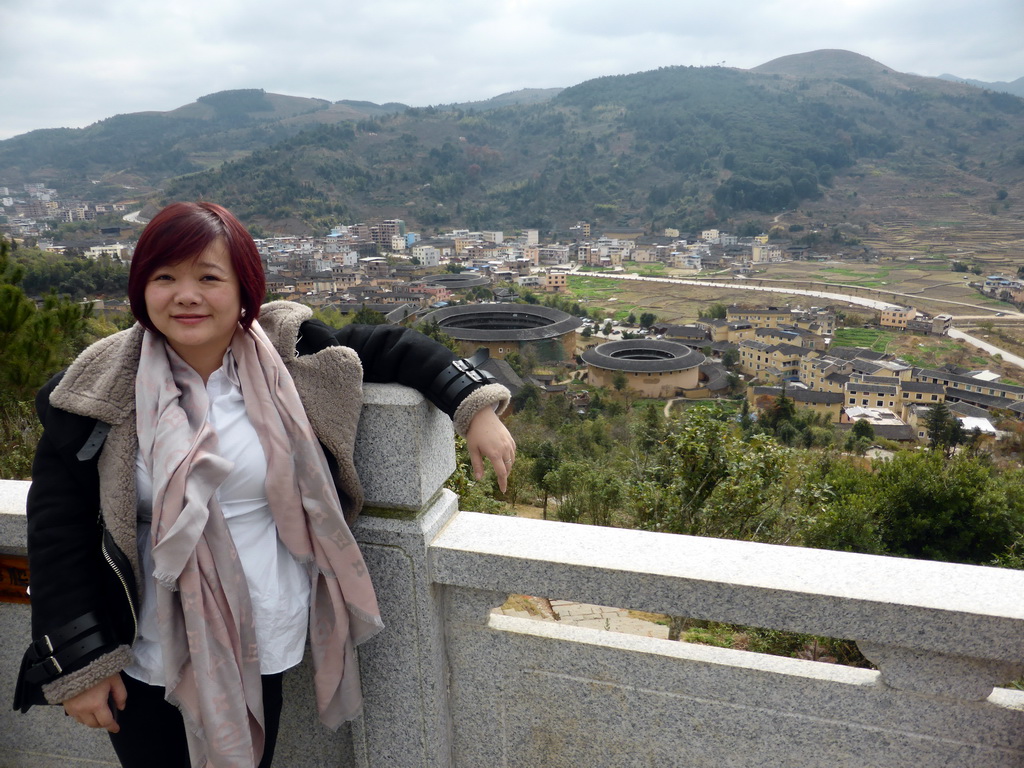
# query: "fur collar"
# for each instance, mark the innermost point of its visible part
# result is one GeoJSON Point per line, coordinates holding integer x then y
{"type": "Point", "coordinates": [100, 383]}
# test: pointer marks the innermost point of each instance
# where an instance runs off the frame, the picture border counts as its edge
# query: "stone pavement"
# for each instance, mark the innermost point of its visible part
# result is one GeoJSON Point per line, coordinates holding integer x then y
{"type": "Point", "coordinates": [584, 615]}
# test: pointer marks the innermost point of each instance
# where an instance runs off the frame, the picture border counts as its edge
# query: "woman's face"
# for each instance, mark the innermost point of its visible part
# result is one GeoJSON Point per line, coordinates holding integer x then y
{"type": "Point", "coordinates": [196, 305]}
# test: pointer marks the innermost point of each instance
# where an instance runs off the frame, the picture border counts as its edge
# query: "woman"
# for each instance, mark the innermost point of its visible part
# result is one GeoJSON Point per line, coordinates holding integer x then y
{"type": "Point", "coordinates": [213, 443]}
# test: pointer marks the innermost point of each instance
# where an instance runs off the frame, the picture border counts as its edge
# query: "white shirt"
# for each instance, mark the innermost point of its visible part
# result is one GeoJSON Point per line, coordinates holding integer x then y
{"type": "Point", "coordinates": [279, 586]}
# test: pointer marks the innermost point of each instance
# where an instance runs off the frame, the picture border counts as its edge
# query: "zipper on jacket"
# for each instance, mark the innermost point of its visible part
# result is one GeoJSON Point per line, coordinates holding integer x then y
{"type": "Point", "coordinates": [124, 585]}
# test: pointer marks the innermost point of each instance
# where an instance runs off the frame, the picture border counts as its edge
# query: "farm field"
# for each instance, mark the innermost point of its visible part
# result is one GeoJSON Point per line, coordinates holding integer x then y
{"type": "Point", "coordinates": [869, 338]}
{"type": "Point", "coordinates": [927, 284]}
{"type": "Point", "coordinates": [677, 304]}
{"type": "Point", "coordinates": [928, 288]}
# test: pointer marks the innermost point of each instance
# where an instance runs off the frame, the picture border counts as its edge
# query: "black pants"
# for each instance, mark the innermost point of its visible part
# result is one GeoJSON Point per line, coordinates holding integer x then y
{"type": "Point", "coordinates": [152, 731]}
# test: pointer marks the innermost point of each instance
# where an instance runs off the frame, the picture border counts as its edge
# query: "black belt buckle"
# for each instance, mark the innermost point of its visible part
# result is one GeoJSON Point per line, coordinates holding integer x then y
{"type": "Point", "coordinates": [42, 647]}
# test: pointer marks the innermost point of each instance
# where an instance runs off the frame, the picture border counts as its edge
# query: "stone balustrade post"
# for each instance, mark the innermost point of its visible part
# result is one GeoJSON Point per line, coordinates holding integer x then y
{"type": "Point", "coordinates": [405, 452]}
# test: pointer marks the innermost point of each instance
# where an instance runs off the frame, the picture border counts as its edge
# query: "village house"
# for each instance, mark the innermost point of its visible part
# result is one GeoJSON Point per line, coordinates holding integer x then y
{"type": "Point", "coordinates": [770, 363]}
{"type": "Point", "coordinates": [871, 394]}
{"type": "Point", "coordinates": [884, 423]}
{"type": "Point", "coordinates": [827, 403]}
{"type": "Point", "coordinates": [935, 326]}
{"type": "Point", "coordinates": [897, 317]}
{"type": "Point", "coordinates": [555, 281]}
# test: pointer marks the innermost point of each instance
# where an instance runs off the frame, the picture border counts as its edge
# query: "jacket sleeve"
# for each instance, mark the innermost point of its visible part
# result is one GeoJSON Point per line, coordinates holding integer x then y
{"type": "Point", "coordinates": [395, 354]}
{"type": "Point", "coordinates": [62, 515]}
{"type": "Point", "coordinates": [65, 563]}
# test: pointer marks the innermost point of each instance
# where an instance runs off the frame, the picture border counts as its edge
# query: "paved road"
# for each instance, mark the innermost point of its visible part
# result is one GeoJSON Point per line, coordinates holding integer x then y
{"type": "Point", "coordinates": [1004, 318]}
{"type": "Point", "coordinates": [992, 349]}
{"type": "Point", "coordinates": [856, 300]}
{"type": "Point", "coordinates": [910, 295]}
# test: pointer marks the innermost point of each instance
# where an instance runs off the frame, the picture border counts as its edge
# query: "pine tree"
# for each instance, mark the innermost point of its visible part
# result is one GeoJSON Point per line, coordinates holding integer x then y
{"type": "Point", "coordinates": [944, 430]}
{"type": "Point", "coordinates": [35, 341]}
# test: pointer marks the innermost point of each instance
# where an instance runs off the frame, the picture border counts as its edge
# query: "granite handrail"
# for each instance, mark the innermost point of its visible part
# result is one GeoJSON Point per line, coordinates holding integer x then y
{"type": "Point", "coordinates": [450, 683]}
{"type": "Point", "coordinates": [969, 615]}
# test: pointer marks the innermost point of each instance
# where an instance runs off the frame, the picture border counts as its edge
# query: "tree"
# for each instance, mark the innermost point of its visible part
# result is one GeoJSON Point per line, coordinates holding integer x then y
{"type": "Point", "coordinates": [35, 340]}
{"type": "Point", "coordinates": [433, 329]}
{"type": "Point", "coordinates": [544, 464]}
{"type": "Point", "coordinates": [515, 362]}
{"type": "Point", "coordinates": [745, 419]}
{"type": "Point", "coordinates": [731, 357]}
{"type": "Point", "coordinates": [780, 411]}
{"type": "Point", "coordinates": [716, 311]}
{"type": "Point", "coordinates": [527, 398]}
{"type": "Point", "coordinates": [944, 430]}
{"type": "Point", "coordinates": [862, 429]}
{"type": "Point", "coordinates": [366, 316]}
{"type": "Point", "coordinates": [620, 381]}
{"type": "Point", "coordinates": [704, 480]}
{"type": "Point", "coordinates": [954, 508]}
{"type": "Point", "coordinates": [647, 319]}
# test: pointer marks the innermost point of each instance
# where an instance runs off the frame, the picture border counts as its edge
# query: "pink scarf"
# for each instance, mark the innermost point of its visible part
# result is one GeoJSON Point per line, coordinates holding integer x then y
{"type": "Point", "coordinates": [211, 661]}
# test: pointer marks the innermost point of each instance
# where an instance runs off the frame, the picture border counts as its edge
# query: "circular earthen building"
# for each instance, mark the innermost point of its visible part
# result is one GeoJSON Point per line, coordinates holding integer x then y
{"type": "Point", "coordinates": [655, 368]}
{"type": "Point", "coordinates": [548, 333]}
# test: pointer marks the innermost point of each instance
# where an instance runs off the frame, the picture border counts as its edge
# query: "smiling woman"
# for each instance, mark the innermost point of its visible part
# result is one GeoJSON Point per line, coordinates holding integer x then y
{"type": "Point", "coordinates": [213, 441]}
{"type": "Point", "coordinates": [196, 305]}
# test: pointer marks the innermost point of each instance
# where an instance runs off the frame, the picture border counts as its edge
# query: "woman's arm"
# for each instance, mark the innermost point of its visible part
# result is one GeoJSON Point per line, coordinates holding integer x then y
{"type": "Point", "coordinates": [69, 622]}
{"type": "Point", "coordinates": [396, 354]}
{"type": "Point", "coordinates": [62, 515]}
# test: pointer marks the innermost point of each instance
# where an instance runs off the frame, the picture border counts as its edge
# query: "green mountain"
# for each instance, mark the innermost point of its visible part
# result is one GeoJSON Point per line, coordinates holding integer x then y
{"type": "Point", "coordinates": [679, 146]}
{"type": "Point", "coordinates": [143, 149]}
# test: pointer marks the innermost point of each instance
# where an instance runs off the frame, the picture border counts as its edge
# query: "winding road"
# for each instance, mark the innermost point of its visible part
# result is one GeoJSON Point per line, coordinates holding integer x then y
{"type": "Point", "coordinates": [992, 349]}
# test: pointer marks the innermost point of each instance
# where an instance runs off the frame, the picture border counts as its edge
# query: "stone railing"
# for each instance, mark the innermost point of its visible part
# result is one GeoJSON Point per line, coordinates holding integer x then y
{"type": "Point", "coordinates": [450, 683]}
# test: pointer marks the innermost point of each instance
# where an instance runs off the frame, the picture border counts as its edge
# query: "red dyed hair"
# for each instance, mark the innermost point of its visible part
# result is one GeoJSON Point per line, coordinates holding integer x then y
{"type": "Point", "coordinates": [183, 231]}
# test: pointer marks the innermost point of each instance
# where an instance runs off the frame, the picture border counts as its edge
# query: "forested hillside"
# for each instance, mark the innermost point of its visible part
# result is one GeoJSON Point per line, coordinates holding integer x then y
{"type": "Point", "coordinates": [683, 147]}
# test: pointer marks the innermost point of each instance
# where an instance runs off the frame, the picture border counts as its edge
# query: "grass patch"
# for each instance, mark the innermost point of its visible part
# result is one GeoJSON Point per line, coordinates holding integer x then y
{"type": "Point", "coordinates": [647, 269]}
{"type": "Point", "coordinates": [20, 430]}
{"type": "Point", "coordinates": [593, 288]}
{"type": "Point", "coordinates": [869, 338]}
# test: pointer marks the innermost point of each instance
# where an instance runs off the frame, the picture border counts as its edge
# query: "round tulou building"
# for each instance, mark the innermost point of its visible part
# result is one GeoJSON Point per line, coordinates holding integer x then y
{"type": "Point", "coordinates": [549, 334]}
{"type": "Point", "coordinates": [652, 367]}
{"type": "Point", "coordinates": [456, 282]}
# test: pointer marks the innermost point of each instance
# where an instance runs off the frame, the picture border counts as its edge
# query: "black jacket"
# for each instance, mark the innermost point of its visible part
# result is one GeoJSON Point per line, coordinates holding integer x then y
{"type": "Point", "coordinates": [83, 559]}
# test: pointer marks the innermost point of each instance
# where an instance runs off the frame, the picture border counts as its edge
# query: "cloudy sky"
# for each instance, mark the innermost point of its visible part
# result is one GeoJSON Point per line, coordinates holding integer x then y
{"type": "Point", "coordinates": [67, 63]}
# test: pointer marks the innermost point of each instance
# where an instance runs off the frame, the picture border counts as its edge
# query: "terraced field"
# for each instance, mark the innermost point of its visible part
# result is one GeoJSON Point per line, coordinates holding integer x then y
{"type": "Point", "coordinates": [930, 217]}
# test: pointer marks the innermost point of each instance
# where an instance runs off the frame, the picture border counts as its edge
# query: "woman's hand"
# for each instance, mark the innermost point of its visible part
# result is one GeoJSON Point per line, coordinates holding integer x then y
{"type": "Point", "coordinates": [92, 706]}
{"type": "Point", "coordinates": [488, 439]}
